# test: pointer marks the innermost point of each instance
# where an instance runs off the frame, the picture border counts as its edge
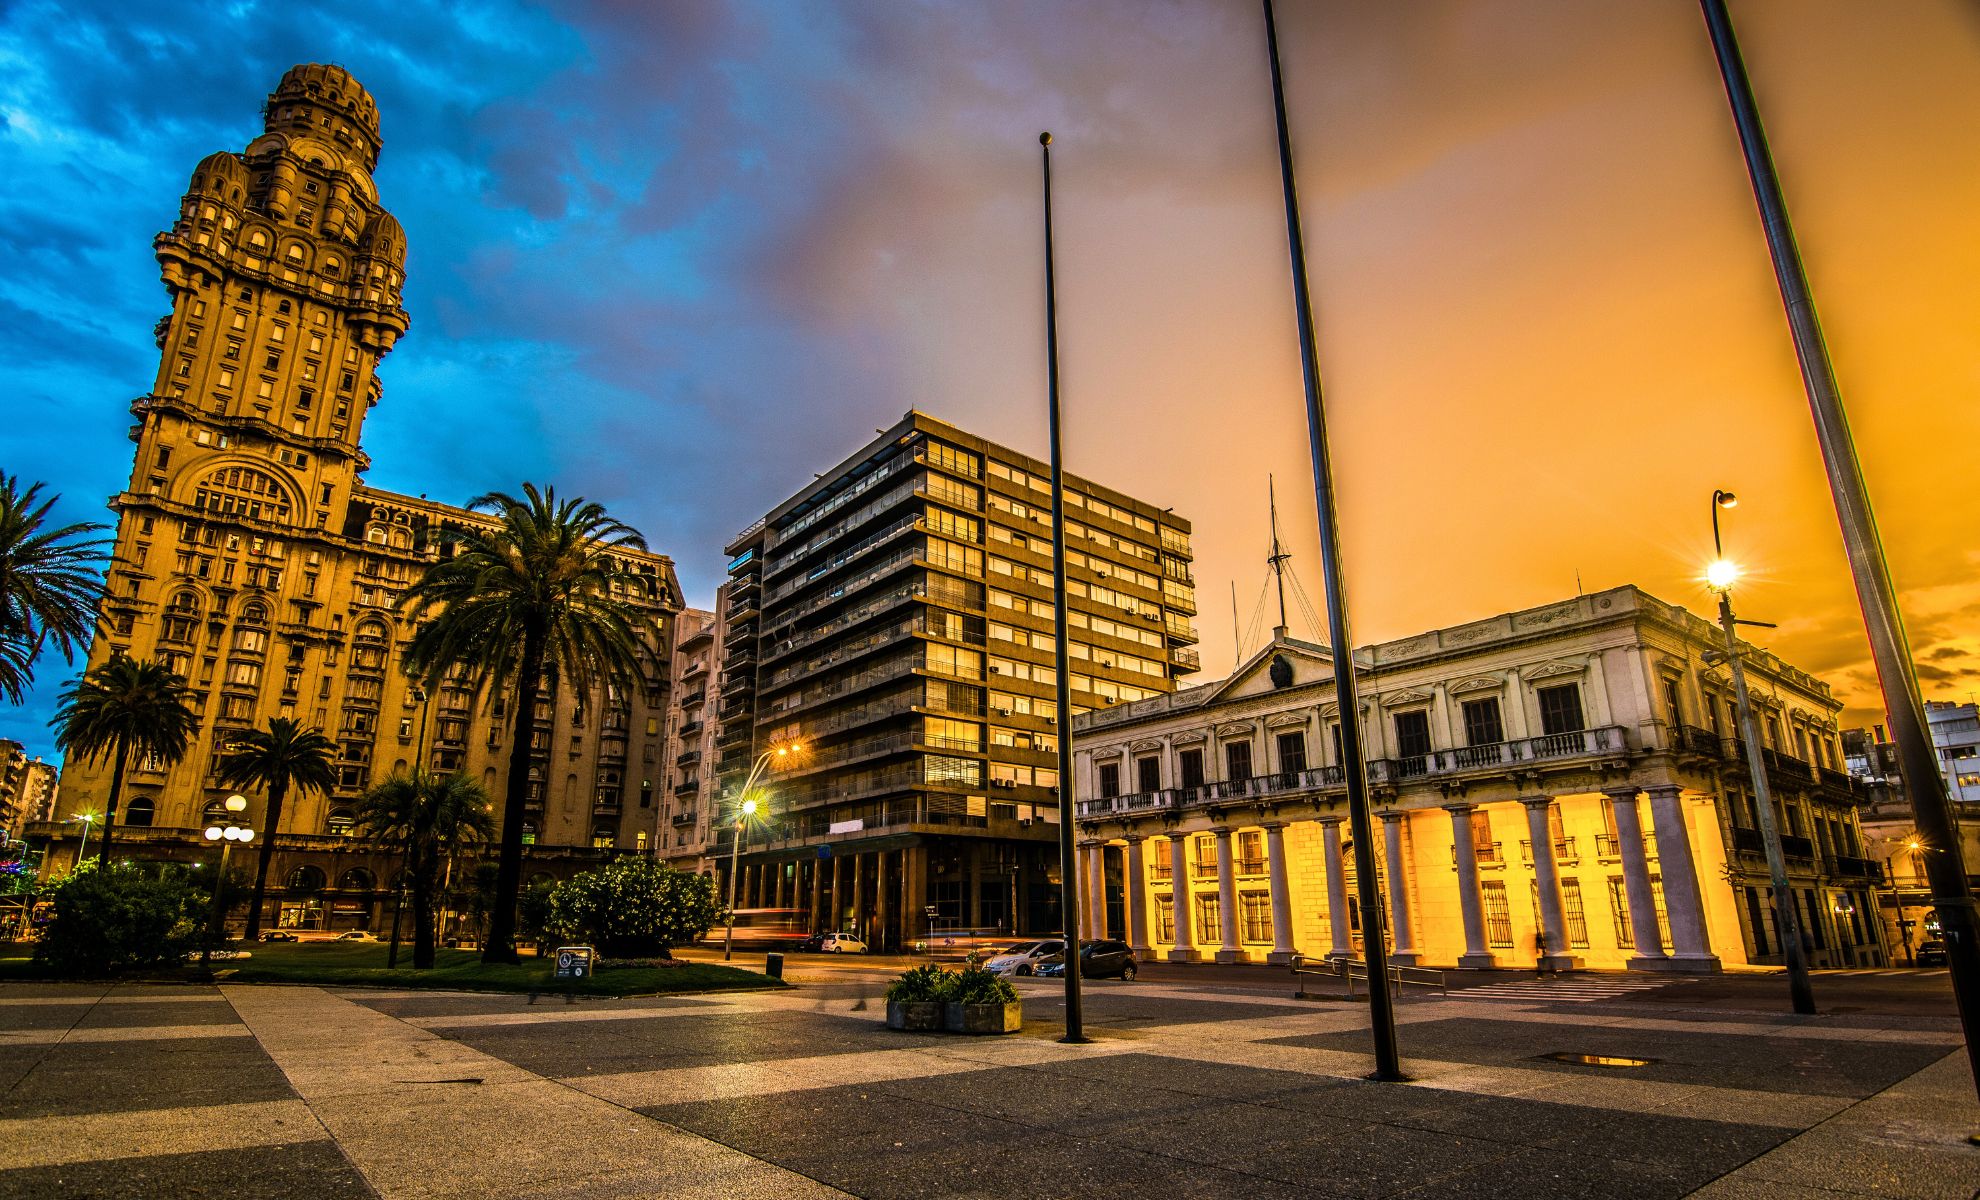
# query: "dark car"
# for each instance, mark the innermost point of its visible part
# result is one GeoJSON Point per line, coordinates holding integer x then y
{"type": "Point", "coordinates": [278, 935]}
{"type": "Point", "coordinates": [812, 945]}
{"type": "Point", "coordinates": [1932, 953]}
{"type": "Point", "coordinates": [1104, 959]}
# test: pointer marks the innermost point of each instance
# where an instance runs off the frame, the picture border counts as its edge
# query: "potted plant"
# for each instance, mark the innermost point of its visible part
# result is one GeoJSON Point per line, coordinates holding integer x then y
{"type": "Point", "coordinates": [979, 1001]}
{"type": "Point", "coordinates": [914, 1001]}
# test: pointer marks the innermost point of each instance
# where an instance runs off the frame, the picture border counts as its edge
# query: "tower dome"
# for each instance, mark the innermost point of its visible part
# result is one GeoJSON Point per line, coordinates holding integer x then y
{"type": "Point", "coordinates": [326, 102]}
{"type": "Point", "coordinates": [384, 239]}
{"type": "Point", "coordinates": [220, 176]}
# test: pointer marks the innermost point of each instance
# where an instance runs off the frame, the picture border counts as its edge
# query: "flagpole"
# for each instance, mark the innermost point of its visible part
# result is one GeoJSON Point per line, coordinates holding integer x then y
{"type": "Point", "coordinates": [1381, 1008]}
{"type": "Point", "coordinates": [1918, 761]}
{"type": "Point", "coordinates": [1068, 872]}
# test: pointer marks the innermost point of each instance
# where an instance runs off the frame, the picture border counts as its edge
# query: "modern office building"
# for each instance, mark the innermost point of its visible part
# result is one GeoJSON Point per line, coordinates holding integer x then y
{"type": "Point", "coordinates": [1574, 769]}
{"type": "Point", "coordinates": [252, 558]}
{"type": "Point", "coordinates": [1889, 825]}
{"type": "Point", "coordinates": [894, 621]}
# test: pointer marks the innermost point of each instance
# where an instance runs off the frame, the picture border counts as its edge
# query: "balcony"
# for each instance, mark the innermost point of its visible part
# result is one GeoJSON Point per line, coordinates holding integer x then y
{"type": "Point", "coordinates": [1797, 847]}
{"type": "Point", "coordinates": [687, 758]}
{"type": "Point", "coordinates": [683, 818]}
{"type": "Point", "coordinates": [1185, 658]}
{"type": "Point", "coordinates": [1487, 854]}
{"type": "Point", "coordinates": [690, 728]}
{"type": "Point", "coordinates": [687, 787]}
{"type": "Point", "coordinates": [1564, 850]}
{"type": "Point", "coordinates": [1857, 868]}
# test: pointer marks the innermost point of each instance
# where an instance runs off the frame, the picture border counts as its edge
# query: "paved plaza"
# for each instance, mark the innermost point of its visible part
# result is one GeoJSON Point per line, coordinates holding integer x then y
{"type": "Point", "coordinates": [1190, 1089]}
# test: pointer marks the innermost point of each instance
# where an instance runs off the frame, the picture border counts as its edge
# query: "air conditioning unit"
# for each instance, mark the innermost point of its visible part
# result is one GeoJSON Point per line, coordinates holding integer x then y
{"type": "Point", "coordinates": [996, 670]}
{"type": "Point", "coordinates": [1002, 712]}
{"type": "Point", "coordinates": [1051, 720]}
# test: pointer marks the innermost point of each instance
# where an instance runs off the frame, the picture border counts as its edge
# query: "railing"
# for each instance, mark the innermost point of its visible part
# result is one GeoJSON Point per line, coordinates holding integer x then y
{"type": "Point", "coordinates": [1487, 854]}
{"type": "Point", "coordinates": [1797, 847]}
{"type": "Point", "coordinates": [1748, 840]}
{"type": "Point", "coordinates": [1350, 969]}
{"type": "Point", "coordinates": [1862, 868]}
{"type": "Point", "coordinates": [1564, 850]}
{"type": "Point", "coordinates": [1185, 657]}
{"type": "Point", "coordinates": [1606, 846]}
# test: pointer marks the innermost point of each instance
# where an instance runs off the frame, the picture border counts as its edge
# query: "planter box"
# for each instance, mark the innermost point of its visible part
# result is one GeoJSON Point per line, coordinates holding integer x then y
{"type": "Point", "coordinates": [914, 1014]}
{"type": "Point", "coordinates": [984, 1018]}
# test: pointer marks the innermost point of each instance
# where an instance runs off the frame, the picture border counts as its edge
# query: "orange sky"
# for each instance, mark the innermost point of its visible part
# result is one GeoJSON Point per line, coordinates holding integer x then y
{"type": "Point", "coordinates": [1548, 324]}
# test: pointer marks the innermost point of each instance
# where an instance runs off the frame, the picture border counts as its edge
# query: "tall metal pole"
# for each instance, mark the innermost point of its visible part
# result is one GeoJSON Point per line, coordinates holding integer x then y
{"type": "Point", "coordinates": [1068, 872]}
{"type": "Point", "coordinates": [1945, 867]}
{"type": "Point", "coordinates": [1381, 1008]}
{"type": "Point", "coordinates": [735, 847]}
{"type": "Point", "coordinates": [1787, 925]}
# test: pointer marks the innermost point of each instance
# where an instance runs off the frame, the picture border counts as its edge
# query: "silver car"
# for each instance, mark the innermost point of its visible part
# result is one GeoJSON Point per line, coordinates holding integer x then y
{"type": "Point", "coordinates": [1023, 958]}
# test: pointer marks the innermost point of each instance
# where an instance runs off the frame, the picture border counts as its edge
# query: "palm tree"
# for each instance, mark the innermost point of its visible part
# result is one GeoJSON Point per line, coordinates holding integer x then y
{"type": "Point", "coordinates": [283, 756]}
{"type": "Point", "coordinates": [124, 708]}
{"type": "Point", "coordinates": [526, 596]}
{"type": "Point", "coordinates": [421, 815]}
{"type": "Point", "coordinates": [50, 581]}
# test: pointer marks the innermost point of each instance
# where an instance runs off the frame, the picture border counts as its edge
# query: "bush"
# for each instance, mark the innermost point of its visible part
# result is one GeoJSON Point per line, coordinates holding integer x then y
{"type": "Point", "coordinates": [919, 984]}
{"type": "Point", "coordinates": [633, 908]}
{"type": "Point", "coordinates": [119, 919]}
{"type": "Point", "coordinates": [974, 985]}
{"type": "Point", "coordinates": [533, 911]}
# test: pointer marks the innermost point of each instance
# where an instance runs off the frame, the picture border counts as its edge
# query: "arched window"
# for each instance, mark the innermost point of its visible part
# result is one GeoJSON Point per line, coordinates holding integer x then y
{"type": "Point", "coordinates": [254, 612]}
{"type": "Point", "coordinates": [602, 837]}
{"type": "Point", "coordinates": [357, 879]}
{"type": "Point", "coordinates": [242, 491]}
{"type": "Point", "coordinates": [140, 811]}
{"type": "Point", "coordinates": [340, 822]}
{"type": "Point", "coordinates": [215, 810]}
{"type": "Point", "coordinates": [306, 879]}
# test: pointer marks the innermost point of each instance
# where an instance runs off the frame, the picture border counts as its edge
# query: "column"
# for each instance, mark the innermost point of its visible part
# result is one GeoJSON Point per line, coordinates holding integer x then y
{"type": "Point", "coordinates": [859, 895]}
{"type": "Point", "coordinates": [1477, 953]}
{"type": "Point", "coordinates": [1282, 933]}
{"type": "Point", "coordinates": [835, 919]}
{"type": "Point", "coordinates": [818, 894]}
{"type": "Point", "coordinates": [1404, 954]}
{"type": "Point", "coordinates": [1136, 884]}
{"type": "Point", "coordinates": [1232, 948]}
{"type": "Point", "coordinates": [1553, 915]}
{"type": "Point", "coordinates": [1097, 888]}
{"type": "Point", "coordinates": [882, 911]}
{"type": "Point", "coordinates": [1691, 947]}
{"type": "Point", "coordinates": [1643, 931]}
{"type": "Point", "coordinates": [1337, 902]}
{"type": "Point", "coordinates": [1185, 946]}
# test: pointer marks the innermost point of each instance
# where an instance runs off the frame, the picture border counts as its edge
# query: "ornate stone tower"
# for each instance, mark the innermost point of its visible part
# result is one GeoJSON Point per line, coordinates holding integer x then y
{"type": "Point", "coordinates": [253, 560]}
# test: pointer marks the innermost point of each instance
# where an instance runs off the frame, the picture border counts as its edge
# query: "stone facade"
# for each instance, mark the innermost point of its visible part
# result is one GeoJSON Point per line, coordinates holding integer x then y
{"type": "Point", "coordinates": [252, 558]}
{"type": "Point", "coordinates": [1567, 769]}
{"type": "Point", "coordinates": [693, 790]}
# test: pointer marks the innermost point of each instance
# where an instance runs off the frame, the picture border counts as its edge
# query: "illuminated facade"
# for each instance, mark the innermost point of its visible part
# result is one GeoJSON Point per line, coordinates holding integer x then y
{"type": "Point", "coordinates": [252, 558]}
{"type": "Point", "coordinates": [1571, 768]}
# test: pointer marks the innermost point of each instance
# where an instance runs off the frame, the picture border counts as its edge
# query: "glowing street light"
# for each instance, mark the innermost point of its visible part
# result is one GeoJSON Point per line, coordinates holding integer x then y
{"type": "Point", "coordinates": [88, 820]}
{"type": "Point", "coordinates": [779, 754]}
{"type": "Point", "coordinates": [227, 834]}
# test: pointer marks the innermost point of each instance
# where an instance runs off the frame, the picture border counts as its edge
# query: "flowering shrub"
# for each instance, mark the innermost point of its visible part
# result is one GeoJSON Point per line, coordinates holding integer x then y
{"type": "Point", "coordinates": [633, 908]}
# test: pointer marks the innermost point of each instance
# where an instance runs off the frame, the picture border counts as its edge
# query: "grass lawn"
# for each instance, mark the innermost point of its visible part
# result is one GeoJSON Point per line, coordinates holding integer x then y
{"type": "Point", "coordinates": [363, 964]}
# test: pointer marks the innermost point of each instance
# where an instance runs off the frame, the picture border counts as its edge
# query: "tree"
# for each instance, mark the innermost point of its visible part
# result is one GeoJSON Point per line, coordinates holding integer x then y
{"type": "Point", "coordinates": [527, 596]}
{"type": "Point", "coordinates": [420, 816]}
{"type": "Point", "coordinates": [283, 756]}
{"type": "Point", "coordinates": [50, 581]}
{"type": "Point", "coordinates": [126, 707]}
{"type": "Point", "coordinates": [634, 907]}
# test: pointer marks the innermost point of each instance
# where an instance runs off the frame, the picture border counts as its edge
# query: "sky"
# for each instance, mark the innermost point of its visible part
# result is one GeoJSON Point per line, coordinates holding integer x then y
{"type": "Point", "coordinates": [679, 256]}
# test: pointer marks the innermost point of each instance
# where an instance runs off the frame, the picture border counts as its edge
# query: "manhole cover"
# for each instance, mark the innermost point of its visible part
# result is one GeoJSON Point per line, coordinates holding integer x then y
{"type": "Point", "coordinates": [1595, 1060]}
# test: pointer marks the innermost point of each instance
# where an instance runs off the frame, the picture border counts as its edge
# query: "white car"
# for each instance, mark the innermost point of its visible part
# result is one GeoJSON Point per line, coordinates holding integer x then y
{"type": "Point", "coordinates": [1023, 958]}
{"type": "Point", "coordinates": [841, 943]}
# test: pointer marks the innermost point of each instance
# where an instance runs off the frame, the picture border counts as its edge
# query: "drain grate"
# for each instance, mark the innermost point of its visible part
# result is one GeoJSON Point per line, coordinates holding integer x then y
{"type": "Point", "coordinates": [1594, 1060]}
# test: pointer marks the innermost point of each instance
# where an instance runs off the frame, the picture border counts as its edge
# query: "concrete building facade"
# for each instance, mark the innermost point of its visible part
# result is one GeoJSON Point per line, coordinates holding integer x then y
{"type": "Point", "coordinates": [252, 558]}
{"type": "Point", "coordinates": [894, 620]}
{"type": "Point", "coordinates": [1890, 828]}
{"type": "Point", "coordinates": [693, 787]}
{"type": "Point", "coordinates": [1573, 769]}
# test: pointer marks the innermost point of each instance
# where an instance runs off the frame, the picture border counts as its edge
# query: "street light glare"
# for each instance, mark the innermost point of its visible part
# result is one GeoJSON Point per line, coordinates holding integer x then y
{"type": "Point", "coordinates": [237, 803]}
{"type": "Point", "coordinates": [749, 808]}
{"type": "Point", "coordinates": [213, 833]}
{"type": "Point", "coordinates": [1720, 574]}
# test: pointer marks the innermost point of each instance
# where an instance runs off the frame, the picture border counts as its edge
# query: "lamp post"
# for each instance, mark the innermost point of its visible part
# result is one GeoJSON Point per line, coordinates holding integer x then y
{"type": "Point", "coordinates": [748, 810]}
{"type": "Point", "coordinates": [233, 830]}
{"type": "Point", "coordinates": [1720, 576]}
{"type": "Point", "coordinates": [88, 819]}
{"type": "Point", "coordinates": [423, 699]}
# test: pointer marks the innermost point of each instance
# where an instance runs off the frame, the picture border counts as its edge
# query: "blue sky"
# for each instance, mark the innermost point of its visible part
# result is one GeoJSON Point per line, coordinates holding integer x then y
{"type": "Point", "coordinates": [678, 256]}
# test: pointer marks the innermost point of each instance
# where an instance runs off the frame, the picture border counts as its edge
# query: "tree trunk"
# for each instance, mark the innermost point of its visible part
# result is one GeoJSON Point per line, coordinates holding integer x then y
{"type": "Point", "coordinates": [500, 944]}
{"type": "Point", "coordinates": [277, 792]}
{"type": "Point", "coordinates": [422, 890]}
{"type": "Point", "coordinates": [110, 806]}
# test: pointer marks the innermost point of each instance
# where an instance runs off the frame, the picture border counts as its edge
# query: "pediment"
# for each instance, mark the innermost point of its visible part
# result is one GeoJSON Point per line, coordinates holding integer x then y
{"type": "Point", "coordinates": [1406, 696]}
{"type": "Point", "coordinates": [1557, 669]}
{"type": "Point", "coordinates": [1146, 745]}
{"type": "Point", "coordinates": [1303, 661]}
{"type": "Point", "coordinates": [1190, 737]}
{"type": "Point", "coordinates": [1288, 720]}
{"type": "Point", "coordinates": [1478, 683]}
{"type": "Point", "coordinates": [1107, 752]}
{"type": "Point", "coordinates": [1235, 729]}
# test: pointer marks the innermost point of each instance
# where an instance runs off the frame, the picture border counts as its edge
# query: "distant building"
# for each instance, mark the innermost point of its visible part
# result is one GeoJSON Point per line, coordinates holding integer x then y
{"type": "Point", "coordinates": [1574, 768]}
{"type": "Point", "coordinates": [1890, 826]}
{"type": "Point", "coordinates": [252, 558]}
{"type": "Point", "coordinates": [44, 782]}
{"type": "Point", "coordinates": [14, 803]}
{"type": "Point", "coordinates": [895, 617]}
{"type": "Point", "coordinates": [688, 768]}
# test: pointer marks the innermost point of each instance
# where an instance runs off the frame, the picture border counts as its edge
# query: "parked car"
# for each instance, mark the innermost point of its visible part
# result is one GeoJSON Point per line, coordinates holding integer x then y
{"type": "Point", "coordinates": [812, 944]}
{"type": "Point", "coordinates": [356, 935]}
{"type": "Point", "coordinates": [841, 943]}
{"type": "Point", "coordinates": [1104, 959]}
{"type": "Point", "coordinates": [277, 935]}
{"type": "Point", "coordinates": [1023, 958]}
{"type": "Point", "coordinates": [1932, 953]}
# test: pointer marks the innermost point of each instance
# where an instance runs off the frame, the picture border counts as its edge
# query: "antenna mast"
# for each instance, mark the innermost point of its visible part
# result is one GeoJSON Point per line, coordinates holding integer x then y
{"type": "Point", "coordinates": [1278, 560]}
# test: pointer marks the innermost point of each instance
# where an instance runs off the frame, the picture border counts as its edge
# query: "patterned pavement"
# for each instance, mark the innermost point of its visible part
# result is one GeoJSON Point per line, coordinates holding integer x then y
{"type": "Point", "coordinates": [1187, 1090]}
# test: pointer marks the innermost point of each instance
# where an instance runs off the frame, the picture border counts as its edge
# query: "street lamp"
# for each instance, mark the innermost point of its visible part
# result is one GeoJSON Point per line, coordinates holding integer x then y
{"type": "Point", "coordinates": [1720, 576]}
{"type": "Point", "coordinates": [780, 754]}
{"type": "Point", "coordinates": [88, 819]}
{"type": "Point", "coordinates": [226, 833]}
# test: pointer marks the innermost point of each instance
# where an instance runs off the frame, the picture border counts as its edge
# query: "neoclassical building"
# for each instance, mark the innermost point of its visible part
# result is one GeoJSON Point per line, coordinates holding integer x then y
{"type": "Point", "coordinates": [253, 559]}
{"type": "Point", "coordinates": [1572, 770]}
